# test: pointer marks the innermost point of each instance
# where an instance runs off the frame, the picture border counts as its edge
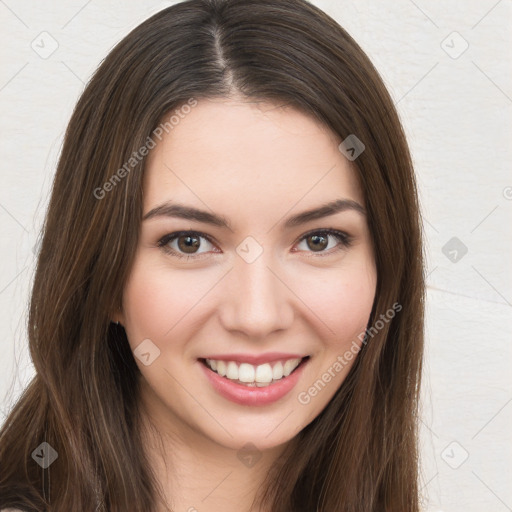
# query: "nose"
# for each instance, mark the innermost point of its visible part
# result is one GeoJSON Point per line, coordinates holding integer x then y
{"type": "Point", "coordinates": [256, 302]}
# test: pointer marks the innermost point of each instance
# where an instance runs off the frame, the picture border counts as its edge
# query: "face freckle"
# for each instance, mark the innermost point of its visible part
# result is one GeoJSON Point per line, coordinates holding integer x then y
{"type": "Point", "coordinates": [249, 283]}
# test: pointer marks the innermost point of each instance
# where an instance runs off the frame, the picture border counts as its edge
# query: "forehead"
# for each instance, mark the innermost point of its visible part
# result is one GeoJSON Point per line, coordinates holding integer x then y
{"type": "Point", "coordinates": [240, 154]}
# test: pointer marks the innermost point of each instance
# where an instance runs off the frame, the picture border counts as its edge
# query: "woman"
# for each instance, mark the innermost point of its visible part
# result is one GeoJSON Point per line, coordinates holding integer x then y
{"type": "Point", "coordinates": [227, 311]}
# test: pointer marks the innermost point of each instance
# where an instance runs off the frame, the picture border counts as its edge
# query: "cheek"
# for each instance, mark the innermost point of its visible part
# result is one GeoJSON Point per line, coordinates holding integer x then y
{"type": "Point", "coordinates": [340, 303]}
{"type": "Point", "coordinates": [155, 300]}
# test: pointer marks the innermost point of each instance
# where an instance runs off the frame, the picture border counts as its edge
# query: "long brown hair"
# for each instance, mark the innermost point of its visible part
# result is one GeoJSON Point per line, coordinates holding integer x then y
{"type": "Point", "coordinates": [360, 453]}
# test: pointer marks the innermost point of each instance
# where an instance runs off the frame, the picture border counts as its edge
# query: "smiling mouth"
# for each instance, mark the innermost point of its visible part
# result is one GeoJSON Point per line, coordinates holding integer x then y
{"type": "Point", "coordinates": [249, 375]}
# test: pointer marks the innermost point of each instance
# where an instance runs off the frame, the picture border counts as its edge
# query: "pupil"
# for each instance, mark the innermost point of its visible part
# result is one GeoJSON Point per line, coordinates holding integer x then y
{"type": "Point", "coordinates": [316, 239]}
{"type": "Point", "coordinates": [189, 245]}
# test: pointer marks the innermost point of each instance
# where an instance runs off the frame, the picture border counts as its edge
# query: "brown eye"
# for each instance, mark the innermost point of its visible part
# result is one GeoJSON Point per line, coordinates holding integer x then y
{"type": "Point", "coordinates": [188, 244]}
{"type": "Point", "coordinates": [324, 242]}
{"type": "Point", "coordinates": [317, 242]}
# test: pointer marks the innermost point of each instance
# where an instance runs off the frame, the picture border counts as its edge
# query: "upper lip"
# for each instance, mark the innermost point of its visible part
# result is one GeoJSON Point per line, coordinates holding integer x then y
{"type": "Point", "coordinates": [268, 357]}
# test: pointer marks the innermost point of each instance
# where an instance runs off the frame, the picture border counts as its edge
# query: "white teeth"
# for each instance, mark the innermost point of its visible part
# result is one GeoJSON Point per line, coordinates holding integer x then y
{"type": "Point", "coordinates": [261, 375]}
{"type": "Point", "coordinates": [246, 372]}
{"type": "Point", "coordinates": [232, 371]}
{"type": "Point", "coordinates": [221, 367]}
{"type": "Point", "coordinates": [277, 371]}
{"type": "Point", "coordinates": [289, 366]}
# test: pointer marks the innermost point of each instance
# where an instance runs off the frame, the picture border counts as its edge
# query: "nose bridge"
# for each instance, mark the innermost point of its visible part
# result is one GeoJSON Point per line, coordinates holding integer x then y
{"type": "Point", "coordinates": [256, 302]}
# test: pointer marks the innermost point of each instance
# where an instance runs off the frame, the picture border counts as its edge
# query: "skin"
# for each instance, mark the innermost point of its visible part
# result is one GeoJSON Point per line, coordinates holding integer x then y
{"type": "Point", "coordinates": [256, 164]}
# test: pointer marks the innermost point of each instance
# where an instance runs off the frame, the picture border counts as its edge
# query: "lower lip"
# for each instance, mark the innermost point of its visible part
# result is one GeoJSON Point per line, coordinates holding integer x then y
{"type": "Point", "coordinates": [245, 395]}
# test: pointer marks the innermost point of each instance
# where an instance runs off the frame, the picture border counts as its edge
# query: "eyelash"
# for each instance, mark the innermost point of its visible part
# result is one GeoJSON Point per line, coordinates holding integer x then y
{"type": "Point", "coordinates": [344, 238]}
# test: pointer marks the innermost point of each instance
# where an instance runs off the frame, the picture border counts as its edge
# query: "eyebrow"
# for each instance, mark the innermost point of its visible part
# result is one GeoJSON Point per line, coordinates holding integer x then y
{"type": "Point", "coordinates": [170, 209]}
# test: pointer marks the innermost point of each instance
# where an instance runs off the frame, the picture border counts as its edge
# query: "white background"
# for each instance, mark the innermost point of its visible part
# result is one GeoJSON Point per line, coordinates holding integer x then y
{"type": "Point", "coordinates": [457, 111]}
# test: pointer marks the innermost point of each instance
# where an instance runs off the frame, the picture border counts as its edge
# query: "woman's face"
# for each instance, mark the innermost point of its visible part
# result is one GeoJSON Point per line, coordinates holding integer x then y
{"type": "Point", "coordinates": [251, 282]}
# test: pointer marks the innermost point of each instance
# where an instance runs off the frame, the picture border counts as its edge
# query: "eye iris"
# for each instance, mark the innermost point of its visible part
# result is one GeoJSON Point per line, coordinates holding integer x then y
{"type": "Point", "coordinates": [191, 243]}
{"type": "Point", "coordinates": [319, 242]}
